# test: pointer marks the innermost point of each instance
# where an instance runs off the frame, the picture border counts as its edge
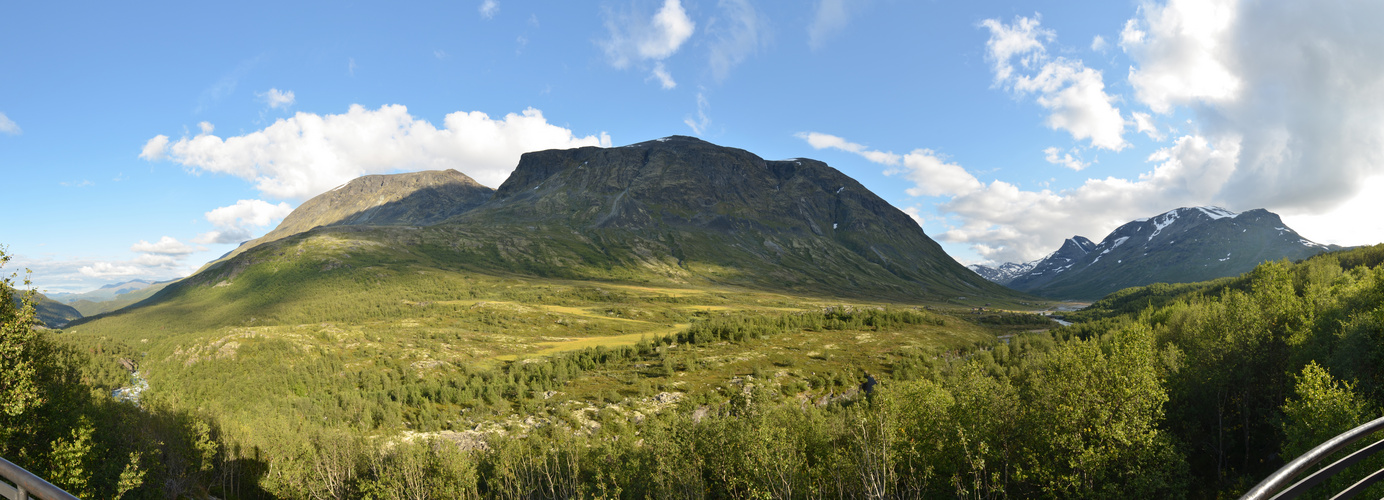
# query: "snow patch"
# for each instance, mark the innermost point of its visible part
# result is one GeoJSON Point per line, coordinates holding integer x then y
{"type": "Point", "coordinates": [833, 225]}
{"type": "Point", "coordinates": [1118, 242]}
{"type": "Point", "coordinates": [838, 190]}
{"type": "Point", "coordinates": [1217, 213]}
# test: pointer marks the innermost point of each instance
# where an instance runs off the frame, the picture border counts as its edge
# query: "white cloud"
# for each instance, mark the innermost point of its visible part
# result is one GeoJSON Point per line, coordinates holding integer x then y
{"type": "Point", "coordinates": [1056, 156]}
{"type": "Point", "coordinates": [1099, 44]}
{"type": "Point", "coordinates": [1184, 51]}
{"type": "Point", "coordinates": [1023, 39]}
{"type": "Point", "coordinates": [822, 141]}
{"type": "Point", "coordinates": [307, 154]}
{"type": "Point", "coordinates": [107, 270]}
{"type": "Point", "coordinates": [661, 74]}
{"type": "Point", "coordinates": [155, 149]}
{"type": "Point", "coordinates": [1296, 86]}
{"type": "Point", "coordinates": [1143, 123]}
{"type": "Point", "coordinates": [930, 173]}
{"type": "Point", "coordinates": [828, 19]}
{"type": "Point", "coordinates": [351, 66]}
{"type": "Point", "coordinates": [737, 34]}
{"type": "Point", "coordinates": [933, 176]}
{"type": "Point", "coordinates": [166, 245]}
{"type": "Point", "coordinates": [1074, 93]}
{"type": "Point", "coordinates": [235, 223]}
{"type": "Point", "coordinates": [276, 99]}
{"type": "Point", "coordinates": [1004, 223]}
{"type": "Point", "coordinates": [8, 126]}
{"type": "Point", "coordinates": [488, 9]}
{"type": "Point", "coordinates": [703, 119]}
{"type": "Point", "coordinates": [79, 275]}
{"type": "Point", "coordinates": [637, 38]}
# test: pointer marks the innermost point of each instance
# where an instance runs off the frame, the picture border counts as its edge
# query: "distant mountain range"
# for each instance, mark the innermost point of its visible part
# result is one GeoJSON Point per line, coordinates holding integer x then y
{"type": "Point", "coordinates": [1185, 245]}
{"type": "Point", "coordinates": [109, 297]}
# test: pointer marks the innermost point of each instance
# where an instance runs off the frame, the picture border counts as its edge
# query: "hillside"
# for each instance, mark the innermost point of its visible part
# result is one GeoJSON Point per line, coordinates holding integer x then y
{"type": "Point", "coordinates": [688, 210]}
{"type": "Point", "coordinates": [1179, 246]}
{"type": "Point", "coordinates": [52, 313]}
{"type": "Point", "coordinates": [408, 199]}
{"type": "Point", "coordinates": [675, 211]}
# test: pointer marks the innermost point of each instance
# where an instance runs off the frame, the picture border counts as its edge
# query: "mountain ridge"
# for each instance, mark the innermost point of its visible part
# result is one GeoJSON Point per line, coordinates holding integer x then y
{"type": "Point", "coordinates": [1216, 243]}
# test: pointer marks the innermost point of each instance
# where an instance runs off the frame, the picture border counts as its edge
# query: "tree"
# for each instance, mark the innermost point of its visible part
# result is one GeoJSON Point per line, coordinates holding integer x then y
{"type": "Point", "coordinates": [19, 393]}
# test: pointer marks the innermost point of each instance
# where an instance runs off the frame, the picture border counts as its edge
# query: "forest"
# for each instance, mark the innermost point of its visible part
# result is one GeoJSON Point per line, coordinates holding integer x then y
{"type": "Point", "coordinates": [1165, 391]}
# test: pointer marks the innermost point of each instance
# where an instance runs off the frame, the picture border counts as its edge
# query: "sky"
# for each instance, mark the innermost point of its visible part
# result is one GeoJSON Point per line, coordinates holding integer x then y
{"type": "Point", "coordinates": [141, 140]}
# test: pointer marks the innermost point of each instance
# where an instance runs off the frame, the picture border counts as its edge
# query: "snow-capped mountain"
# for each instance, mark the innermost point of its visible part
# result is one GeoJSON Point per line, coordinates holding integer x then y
{"type": "Point", "coordinates": [1071, 252]}
{"type": "Point", "coordinates": [1179, 246]}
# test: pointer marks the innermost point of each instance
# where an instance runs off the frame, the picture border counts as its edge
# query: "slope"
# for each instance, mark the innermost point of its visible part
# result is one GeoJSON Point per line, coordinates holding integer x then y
{"type": "Point", "coordinates": [411, 199]}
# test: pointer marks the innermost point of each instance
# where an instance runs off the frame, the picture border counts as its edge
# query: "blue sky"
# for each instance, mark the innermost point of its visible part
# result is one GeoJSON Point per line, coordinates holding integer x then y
{"type": "Point", "coordinates": [140, 141]}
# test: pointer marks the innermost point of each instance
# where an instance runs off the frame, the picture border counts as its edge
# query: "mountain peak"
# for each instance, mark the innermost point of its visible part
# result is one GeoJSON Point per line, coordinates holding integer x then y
{"type": "Point", "coordinates": [1181, 245]}
{"type": "Point", "coordinates": [408, 199]}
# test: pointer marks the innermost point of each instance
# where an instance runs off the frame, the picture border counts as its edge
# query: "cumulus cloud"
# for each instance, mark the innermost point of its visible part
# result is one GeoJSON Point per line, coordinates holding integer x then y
{"type": "Point", "coordinates": [1185, 50]}
{"type": "Point", "coordinates": [277, 99]}
{"type": "Point", "coordinates": [166, 245]}
{"type": "Point", "coordinates": [1073, 93]}
{"type": "Point", "coordinates": [299, 157]}
{"type": "Point", "coordinates": [1002, 222]}
{"type": "Point", "coordinates": [828, 19]}
{"type": "Point", "coordinates": [1295, 85]}
{"type": "Point", "coordinates": [637, 38]}
{"type": "Point", "coordinates": [933, 176]}
{"type": "Point", "coordinates": [1056, 156]}
{"type": "Point", "coordinates": [488, 9]}
{"type": "Point", "coordinates": [8, 126]}
{"type": "Point", "coordinates": [236, 223]}
{"type": "Point", "coordinates": [736, 34]}
{"type": "Point", "coordinates": [155, 149]}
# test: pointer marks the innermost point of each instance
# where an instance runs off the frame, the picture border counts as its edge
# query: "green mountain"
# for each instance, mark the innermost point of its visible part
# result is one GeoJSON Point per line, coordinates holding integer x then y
{"type": "Point", "coordinates": [681, 209]}
{"type": "Point", "coordinates": [1179, 246]}
{"type": "Point", "coordinates": [675, 211]}
{"type": "Point", "coordinates": [52, 313]}
{"type": "Point", "coordinates": [408, 199]}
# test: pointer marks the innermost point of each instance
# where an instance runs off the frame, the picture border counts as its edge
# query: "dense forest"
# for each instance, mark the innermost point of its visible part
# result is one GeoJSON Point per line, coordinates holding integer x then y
{"type": "Point", "coordinates": [1163, 391]}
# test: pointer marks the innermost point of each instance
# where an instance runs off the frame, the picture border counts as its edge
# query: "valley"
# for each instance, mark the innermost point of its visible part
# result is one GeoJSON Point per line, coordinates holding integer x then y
{"type": "Point", "coordinates": [673, 318]}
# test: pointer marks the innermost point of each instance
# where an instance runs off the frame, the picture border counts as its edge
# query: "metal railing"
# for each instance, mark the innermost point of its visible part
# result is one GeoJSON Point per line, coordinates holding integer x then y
{"type": "Point", "coordinates": [1279, 479]}
{"type": "Point", "coordinates": [27, 485]}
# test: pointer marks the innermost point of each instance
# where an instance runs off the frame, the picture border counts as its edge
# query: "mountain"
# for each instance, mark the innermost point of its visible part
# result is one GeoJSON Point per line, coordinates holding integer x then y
{"type": "Point", "coordinates": [1185, 245]}
{"type": "Point", "coordinates": [126, 297]}
{"type": "Point", "coordinates": [1072, 250]}
{"type": "Point", "coordinates": [687, 209]}
{"type": "Point", "coordinates": [408, 199]}
{"type": "Point", "coordinates": [676, 211]}
{"type": "Point", "coordinates": [104, 293]}
{"type": "Point", "coordinates": [52, 313]}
